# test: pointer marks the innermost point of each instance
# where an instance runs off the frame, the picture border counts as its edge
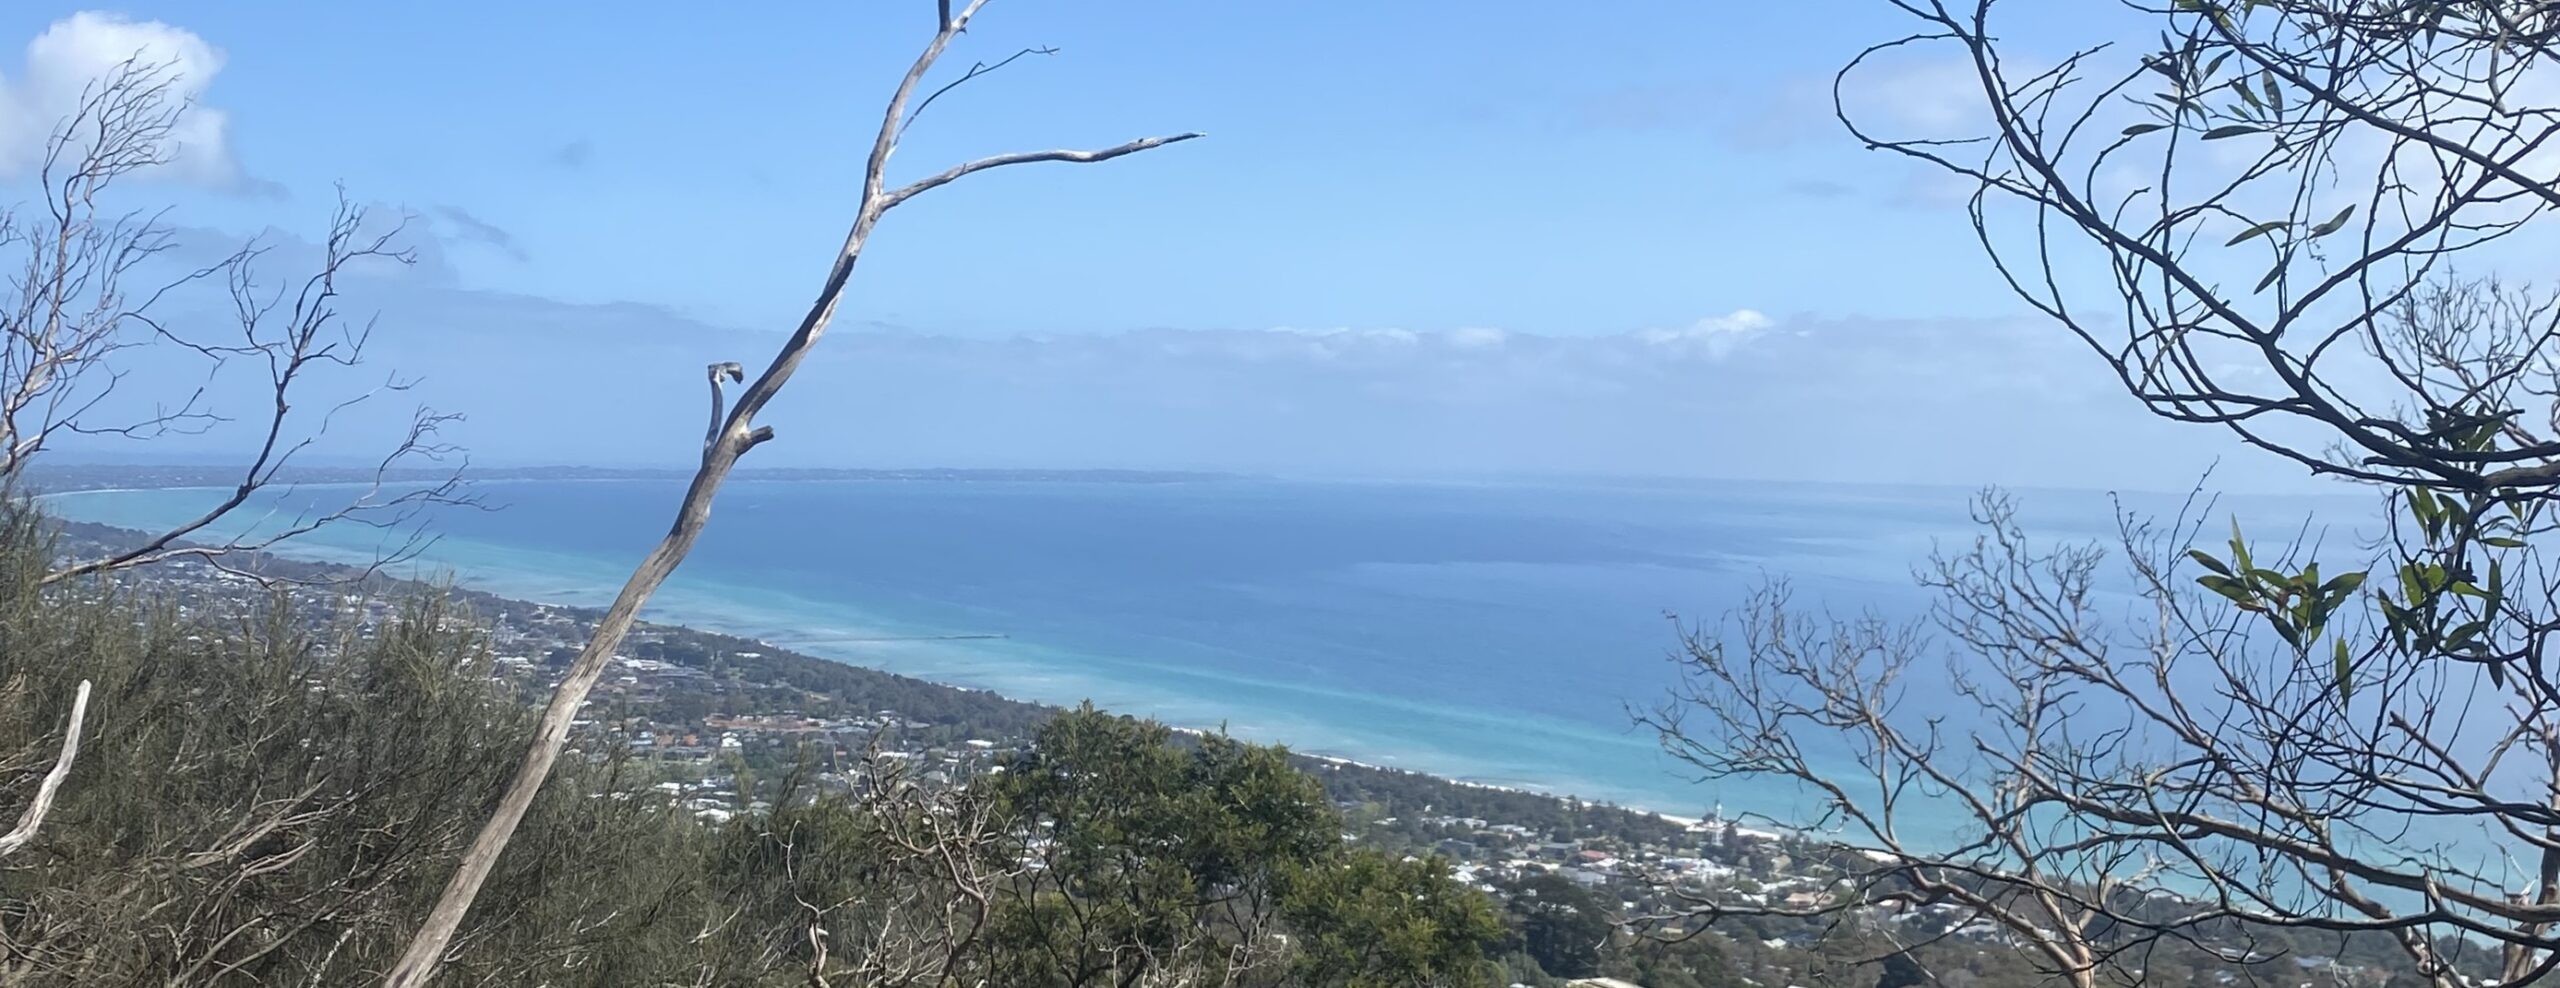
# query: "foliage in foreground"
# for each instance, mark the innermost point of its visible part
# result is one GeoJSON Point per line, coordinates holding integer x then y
{"type": "Point", "coordinates": [262, 799]}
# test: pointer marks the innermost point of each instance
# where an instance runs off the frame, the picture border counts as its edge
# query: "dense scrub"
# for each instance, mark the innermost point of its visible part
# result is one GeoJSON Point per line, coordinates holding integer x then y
{"type": "Point", "coordinates": [262, 799]}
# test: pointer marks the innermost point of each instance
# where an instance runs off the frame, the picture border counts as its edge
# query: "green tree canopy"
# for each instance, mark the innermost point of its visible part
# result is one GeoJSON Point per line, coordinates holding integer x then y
{"type": "Point", "coordinates": [1146, 851]}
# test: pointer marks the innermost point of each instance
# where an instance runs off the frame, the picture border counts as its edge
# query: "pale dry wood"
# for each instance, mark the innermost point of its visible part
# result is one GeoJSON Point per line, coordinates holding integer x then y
{"type": "Point", "coordinates": [731, 436]}
{"type": "Point", "coordinates": [33, 819]}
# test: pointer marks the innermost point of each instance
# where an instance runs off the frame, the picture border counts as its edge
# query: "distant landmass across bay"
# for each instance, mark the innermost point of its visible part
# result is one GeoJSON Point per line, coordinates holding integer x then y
{"type": "Point", "coordinates": [1489, 632]}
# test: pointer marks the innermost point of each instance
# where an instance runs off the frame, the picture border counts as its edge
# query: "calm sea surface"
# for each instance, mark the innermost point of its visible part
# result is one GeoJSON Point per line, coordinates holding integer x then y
{"type": "Point", "coordinates": [1491, 632]}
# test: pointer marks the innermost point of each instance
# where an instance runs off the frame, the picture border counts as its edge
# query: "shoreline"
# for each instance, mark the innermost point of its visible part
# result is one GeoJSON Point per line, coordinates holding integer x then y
{"type": "Point", "coordinates": [1684, 822]}
{"type": "Point", "coordinates": [514, 588]}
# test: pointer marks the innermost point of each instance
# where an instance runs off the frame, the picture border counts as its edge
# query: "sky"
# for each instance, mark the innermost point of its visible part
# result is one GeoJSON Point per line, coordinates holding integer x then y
{"type": "Point", "coordinates": [1419, 238]}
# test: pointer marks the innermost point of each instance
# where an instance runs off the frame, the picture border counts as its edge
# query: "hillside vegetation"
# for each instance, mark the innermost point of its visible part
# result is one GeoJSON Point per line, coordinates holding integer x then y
{"type": "Point", "coordinates": [259, 801]}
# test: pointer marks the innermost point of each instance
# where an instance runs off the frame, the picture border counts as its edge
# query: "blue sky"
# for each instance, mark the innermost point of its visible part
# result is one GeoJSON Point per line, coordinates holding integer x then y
{"type": "Point", "coordinates": [1421, 237]}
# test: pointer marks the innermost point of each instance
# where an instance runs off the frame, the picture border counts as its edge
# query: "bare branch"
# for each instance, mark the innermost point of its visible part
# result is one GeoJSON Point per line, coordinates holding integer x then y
{"type": "Point", "coordinates": [33, 818]}
{"type": "Point", "coordinates": [728, 439]}
{"type": "Point", "coordinates": [735, 373]}
{"type": "Point", "coordinates": [1028, 157]}
{"type": "Point", "coordinates": [979, 69]}
{"type": "Point", "coordinates": [68, 321]}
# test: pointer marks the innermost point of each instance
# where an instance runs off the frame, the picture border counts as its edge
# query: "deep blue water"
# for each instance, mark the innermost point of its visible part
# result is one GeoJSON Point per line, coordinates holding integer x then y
{"type": "Point", "coordinates": [1493, 632]}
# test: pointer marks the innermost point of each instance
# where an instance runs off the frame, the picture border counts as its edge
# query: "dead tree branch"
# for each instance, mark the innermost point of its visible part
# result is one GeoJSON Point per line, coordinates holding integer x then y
{"type": "Point", "coordinates": [732, 438]}
{"type": "Point", "coordinates": [33, 818]}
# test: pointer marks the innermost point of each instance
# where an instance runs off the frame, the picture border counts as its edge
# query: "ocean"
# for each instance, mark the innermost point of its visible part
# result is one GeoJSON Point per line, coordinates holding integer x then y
{"type": "Point", "coordinates": [1492, 632]}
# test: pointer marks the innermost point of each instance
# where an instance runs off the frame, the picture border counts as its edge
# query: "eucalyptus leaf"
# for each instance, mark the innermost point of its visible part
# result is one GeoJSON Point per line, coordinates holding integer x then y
{"type": "Point", "coordinates": [2258, 230]}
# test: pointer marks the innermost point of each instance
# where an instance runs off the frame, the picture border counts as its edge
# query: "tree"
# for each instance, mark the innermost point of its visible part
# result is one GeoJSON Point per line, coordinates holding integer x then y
{"type": "Point", "coordinates": [1563, 926]}
{"type": "Point", "coordinates": [1147, 856]}
{"type": "Point", "coordinates": [72, 320]}
{"type": "Point", "coordinates": [1363, 920]}
{"type": "Point", "coordinates": [733, 431]}
{"type": "Point", "coordinates": [895, 883]}
{"type": "Point", "coordinates": [1689, 962]}
{"type": "Point", "coordinates": [1901, 971]}
{"type": "Point", "coordinates": [2288, 220]}
{"type": "Point", "coordinates": [1211, 863]}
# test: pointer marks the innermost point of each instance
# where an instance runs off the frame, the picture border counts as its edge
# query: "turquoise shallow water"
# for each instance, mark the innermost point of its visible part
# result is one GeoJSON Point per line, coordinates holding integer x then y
{"type": "Point", "coordinates": [1491, 632]}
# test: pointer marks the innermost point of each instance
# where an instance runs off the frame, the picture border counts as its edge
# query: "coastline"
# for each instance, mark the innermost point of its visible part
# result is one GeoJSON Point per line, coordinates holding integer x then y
{"type": "Point", "coordinates": [516, 591]}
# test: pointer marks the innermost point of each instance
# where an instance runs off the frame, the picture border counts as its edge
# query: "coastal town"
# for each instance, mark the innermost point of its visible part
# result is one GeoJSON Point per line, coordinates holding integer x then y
{"type": "Point", "coordinates": [716, 717]}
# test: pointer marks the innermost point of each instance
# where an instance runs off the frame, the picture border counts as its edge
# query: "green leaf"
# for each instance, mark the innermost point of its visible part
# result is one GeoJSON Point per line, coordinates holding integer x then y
{"type": "Point", "coordinates": [2208, 562]}
{"type": "Point", "coordinates": [2345, 671]}
{"type": "Point", "coordinates": [2272, 274]}
{"type": "Point", "coordinates": [2429, 511]}
{"type": "Point", "coordinates": [2275, 96]}
{"type": "Point", "coordinates": [2260, 229]}
{"type": "Point", "coordinates": [2346, 583]}
{"type": "Point", "coordinates": [2334, 222]}
{"type": "Point", "coordinates": [2501, 542]}
{"type": "Point", "coordinates": [2225, 586]}
{"type": "Point", "coordinates": [2138, 130]}
{"type": "Point", "coordinates": [2231, 130]}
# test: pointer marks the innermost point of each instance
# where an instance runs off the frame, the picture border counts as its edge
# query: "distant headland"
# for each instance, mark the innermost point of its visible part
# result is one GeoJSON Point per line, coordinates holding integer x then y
{"type": "Point", "coordinates": [67, 477]}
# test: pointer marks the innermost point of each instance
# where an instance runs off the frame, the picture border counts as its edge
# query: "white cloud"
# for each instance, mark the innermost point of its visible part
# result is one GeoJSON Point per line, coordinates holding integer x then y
{"type": "Point", "coordinates": [1925, 98]}
{"type": "Point", "coordinates": [1916, 98]}
{"type": "Point", "coordinates": [77, 51]}
{"type": "Point", "coordinates": [1743, 393]}
{"type": "Point", "coordinates": [1938, 96]}
{"type": "Point", "coordinates": [1713, 337]}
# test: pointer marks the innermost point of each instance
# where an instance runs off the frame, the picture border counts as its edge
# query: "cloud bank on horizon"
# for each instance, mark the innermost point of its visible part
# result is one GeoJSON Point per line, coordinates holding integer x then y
{"type": "Point", "coordinates": [1738, 393]}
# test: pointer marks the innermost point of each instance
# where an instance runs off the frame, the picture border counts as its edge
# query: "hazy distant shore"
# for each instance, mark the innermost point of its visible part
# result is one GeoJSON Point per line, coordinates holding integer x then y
{"type": "Point", "coordinates": [103, 478]}
{"type": "Point", "coordinates": [1425, 726]}
{"type": "Point", "coordinates": [323, 556]}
